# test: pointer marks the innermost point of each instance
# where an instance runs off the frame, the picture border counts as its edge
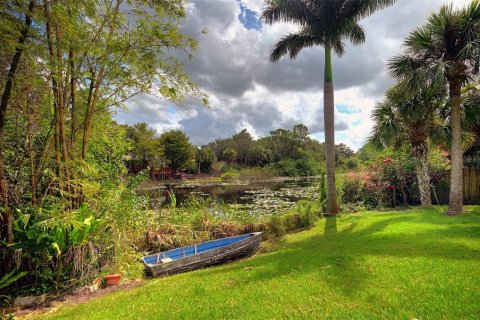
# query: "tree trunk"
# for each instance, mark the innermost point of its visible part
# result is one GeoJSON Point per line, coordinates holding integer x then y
{"type": "Point", "coordinates": [8, 216]}
{"type": "Point", "coordinates": [31, 155]}
{"type": "Point", "coordinates": [329, 125]}
{"type": "Point", "coordinates": [53, 75]}
{"type": "Point", "coordinates": [394, 195]}
{"type": "Point", "coordinates": [95, 84]}
{"type": "Point", "coordinates": [14, 65]}
{"type": "Point", "coordinates": [87, 115]}
{"type": "Point", "coordinates": [404, 196]}
{"type": "Point", "coordinates": [90, 109]}
{"type": "Point", "coordinates": [54, 43]}
{"type": "Point", "coordinates": [73, 89]}
{"type": "Point", "coordinates": [456, 172]}
{"type": "Point", "coordinates": [61, 97]}
{"type": "Point", "coordinates": [421, 152]}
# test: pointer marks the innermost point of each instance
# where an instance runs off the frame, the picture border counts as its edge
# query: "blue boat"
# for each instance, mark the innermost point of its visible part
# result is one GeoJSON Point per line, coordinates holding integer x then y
{"type": "Point", "coordinates": [202, 254]}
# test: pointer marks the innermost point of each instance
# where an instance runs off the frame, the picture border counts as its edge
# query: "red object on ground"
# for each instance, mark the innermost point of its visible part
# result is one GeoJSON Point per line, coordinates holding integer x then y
{"type": "Point", "coordinates": [113, 279]}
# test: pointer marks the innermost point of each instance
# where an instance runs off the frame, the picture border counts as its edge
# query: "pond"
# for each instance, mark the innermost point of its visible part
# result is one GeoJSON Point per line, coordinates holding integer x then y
{"type": "Point", "coordinates": [259, 197]}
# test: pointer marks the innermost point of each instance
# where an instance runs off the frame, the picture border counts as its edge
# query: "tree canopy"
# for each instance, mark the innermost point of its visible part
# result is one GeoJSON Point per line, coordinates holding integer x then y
{"type": "Point", "coordinates": [177, 149]}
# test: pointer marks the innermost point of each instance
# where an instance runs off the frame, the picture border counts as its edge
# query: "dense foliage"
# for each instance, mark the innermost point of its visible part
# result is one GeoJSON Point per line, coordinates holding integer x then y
{"type": "Point", "coordinates": [388, 179]}
{"type": "Point", "coordinates": [284, 152]}
{"type": "Point", "coordinates": [67, 210]}
{"type": "Point", "coordinates": [444, 52]}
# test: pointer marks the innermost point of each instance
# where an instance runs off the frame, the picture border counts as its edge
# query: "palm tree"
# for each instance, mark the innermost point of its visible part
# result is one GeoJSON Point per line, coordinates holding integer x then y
{"type": "Point", "coordinates": [325, 23]}
{"type": "Point", "coordinates": [446, 49]}
{"type": "Point", "coordinates": [417, 120]}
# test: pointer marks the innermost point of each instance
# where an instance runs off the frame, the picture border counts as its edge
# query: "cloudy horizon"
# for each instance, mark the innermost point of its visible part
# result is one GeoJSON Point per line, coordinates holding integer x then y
{"type": "Point", "coordinates": [247, 91]}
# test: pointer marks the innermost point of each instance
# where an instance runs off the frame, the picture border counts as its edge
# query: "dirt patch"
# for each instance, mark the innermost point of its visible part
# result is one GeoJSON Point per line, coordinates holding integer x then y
{"type": "Point", "coordinates": [78, 296]}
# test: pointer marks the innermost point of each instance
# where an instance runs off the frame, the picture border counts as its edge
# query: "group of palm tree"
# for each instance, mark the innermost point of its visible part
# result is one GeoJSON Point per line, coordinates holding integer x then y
{"type": "Point", "coordinates": [439, 59]}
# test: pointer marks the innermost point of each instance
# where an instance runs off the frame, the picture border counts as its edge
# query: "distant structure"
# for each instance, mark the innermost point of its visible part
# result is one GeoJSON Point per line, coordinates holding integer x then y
{"type": "Point", "coordinates": [161, 173]}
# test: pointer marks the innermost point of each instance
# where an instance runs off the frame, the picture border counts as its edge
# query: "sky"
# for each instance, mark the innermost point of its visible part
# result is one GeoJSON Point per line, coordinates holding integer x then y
{"type": "Point", "coordinates": [247, 91]}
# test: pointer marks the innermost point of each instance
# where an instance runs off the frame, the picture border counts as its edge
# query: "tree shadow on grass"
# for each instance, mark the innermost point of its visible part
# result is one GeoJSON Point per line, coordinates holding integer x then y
{"type": "Point", "coordinates": [330, 228]}
{"type": "Point", "coordinates": [340, 252]}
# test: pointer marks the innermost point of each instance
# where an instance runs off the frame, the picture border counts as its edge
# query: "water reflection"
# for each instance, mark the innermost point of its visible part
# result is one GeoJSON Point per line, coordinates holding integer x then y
{"type": "Point", "coordinates": [253, 196]}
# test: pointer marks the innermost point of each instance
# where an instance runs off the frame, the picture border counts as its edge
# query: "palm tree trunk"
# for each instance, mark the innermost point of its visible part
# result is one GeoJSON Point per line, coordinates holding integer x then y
{"type": "Point", "coordinates": [329, 125]}
{"type": "Point", "coordinates": [456, 172]}
{"type": "Point", "coordinates": [423, 177]}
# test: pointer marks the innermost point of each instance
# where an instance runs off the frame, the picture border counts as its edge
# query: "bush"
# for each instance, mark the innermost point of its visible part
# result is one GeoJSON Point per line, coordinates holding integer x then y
{"type": "Point", "coordinates": [275, 227]}
{"type": "Point", "coordinates": [359, 191]}
{"type": "Point", "coordinates": [230, 167]}
{"type": "Point", "coordinates": [55, 247]}
{"type": "Point", "coordinates": [307, 167]}
{"type": "Point", "coordinates": [230, 175]}
{"type": "Point", "coordinates": [353, 189]}
{"type": "Point", "coordinates": [286, 168]}
{"type": "Point", "coordinates": [304, 166]}
{"type": "Point", "coordinates": [308, 212]}
{"type": "Point", "coordinates": [256, 174]}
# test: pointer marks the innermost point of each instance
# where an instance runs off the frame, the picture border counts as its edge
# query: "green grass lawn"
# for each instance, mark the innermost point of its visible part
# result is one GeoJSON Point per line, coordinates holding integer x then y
{"type": "Point", "coordinates": [415, 264]}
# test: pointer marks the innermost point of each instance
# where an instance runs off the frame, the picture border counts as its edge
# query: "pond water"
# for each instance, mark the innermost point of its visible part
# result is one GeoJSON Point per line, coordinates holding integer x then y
{"type": "Point", "coordinates": [261, 197]}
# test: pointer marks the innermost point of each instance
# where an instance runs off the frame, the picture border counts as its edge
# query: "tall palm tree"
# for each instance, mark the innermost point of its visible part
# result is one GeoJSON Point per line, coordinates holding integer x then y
{"type": "Point", "coordinates": [416, 119]}
{"type": "Point", "coordinates": [446, 49]}
{"type": "Point", "coordinates": [325, 23]}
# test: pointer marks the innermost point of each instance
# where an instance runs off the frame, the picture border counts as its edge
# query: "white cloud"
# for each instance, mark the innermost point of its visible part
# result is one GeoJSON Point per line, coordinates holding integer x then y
{"type": "Point", "coordinates": [247, 91]}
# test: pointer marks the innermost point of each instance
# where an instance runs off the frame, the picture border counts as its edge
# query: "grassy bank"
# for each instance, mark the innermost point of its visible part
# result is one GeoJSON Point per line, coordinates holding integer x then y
{"type": "Point", "coordinates": [372, 265]}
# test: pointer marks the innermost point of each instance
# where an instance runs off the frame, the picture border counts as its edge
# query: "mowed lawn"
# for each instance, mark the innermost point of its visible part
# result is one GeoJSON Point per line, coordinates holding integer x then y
{"type": "Point", "coordinates": [414, 264]}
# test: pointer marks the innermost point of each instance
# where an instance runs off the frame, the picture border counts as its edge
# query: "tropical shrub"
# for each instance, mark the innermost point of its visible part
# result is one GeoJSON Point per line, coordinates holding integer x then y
{"type": "Point", "coordinates": [276, 227]}
{"type": "Point", "coordinates": [286, 168]}
{"type": "Point", "coordinates": [230, 175]}
{"type": "Point", "coordinates": [56, 247]}
{"type": "Point", "coordinates": [390, 180]}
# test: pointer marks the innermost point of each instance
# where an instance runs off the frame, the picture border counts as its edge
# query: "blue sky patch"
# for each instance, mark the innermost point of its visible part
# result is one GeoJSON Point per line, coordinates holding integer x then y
{"type": "Point", "coordinates": [357, 122]}
{"type": "Point", "coordinates": [342, 108]}
{"type": "Point", "coordinates": [171, 109]}
{"type": "Point", "coordinates": [248, 17]}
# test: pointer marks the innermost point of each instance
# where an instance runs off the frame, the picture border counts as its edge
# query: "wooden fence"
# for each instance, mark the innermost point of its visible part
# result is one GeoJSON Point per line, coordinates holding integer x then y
{"type": "Point", "coordinates": [471, 185]}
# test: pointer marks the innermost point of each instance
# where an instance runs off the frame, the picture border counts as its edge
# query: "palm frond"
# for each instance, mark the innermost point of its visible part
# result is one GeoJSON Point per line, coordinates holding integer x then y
{"type": "Point", "coordinates": [401, 65]}
{"type": "Point", "coordinates": [435, 74]}
{"type": "Point", "coordinates": [293, 43]}
{"type": "Point", "coordinates": [471, 107]}
{"type": "Point", "coordinates": [386, 129]}
{"type": "Point", "coordinates": [468, 140]}
{"type": "Point", "coordinates": [406, 116]}
{"type": "Point", "coordinates": [439, 134]}
{"type": "Point", "coordinates": [408, 71]}
{"type": "Point", "coordinates": [438, 21]}
{"type": "Point", "coordinates": [294, 11]}
{"type": "Point", "coordinates": [420, 39]}
{"type": "Point", "coordinates": [363, 8]}
{"type": "Point", "coordinates": [323, 21]}
{"type": "Point", "coordinates": [338, 46]}
{"type": "Point", "coordinates": [356, 34]}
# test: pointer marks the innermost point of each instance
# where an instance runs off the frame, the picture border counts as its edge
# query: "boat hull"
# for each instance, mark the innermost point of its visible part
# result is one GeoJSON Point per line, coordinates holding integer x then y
{"type": "Point", "coordinates": [216, 256]}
